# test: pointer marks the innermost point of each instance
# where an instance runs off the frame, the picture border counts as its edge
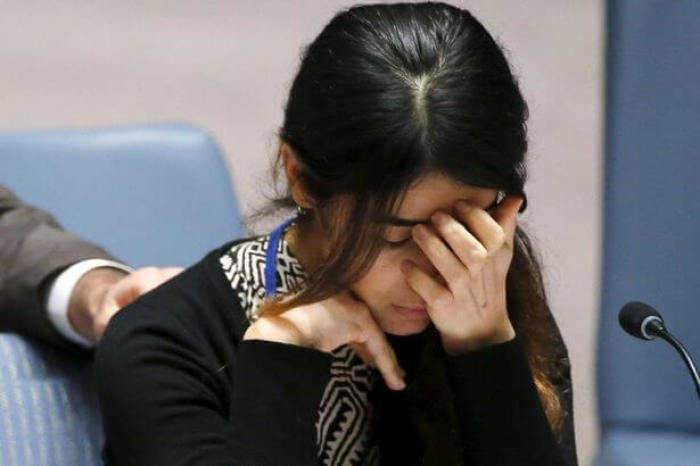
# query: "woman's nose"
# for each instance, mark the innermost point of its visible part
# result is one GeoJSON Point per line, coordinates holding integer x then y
{"type": "Point", "coordinates": [425, 264]}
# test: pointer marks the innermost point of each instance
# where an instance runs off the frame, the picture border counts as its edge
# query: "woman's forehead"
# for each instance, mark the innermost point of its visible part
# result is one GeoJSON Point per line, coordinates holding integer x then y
{"type": "Point", "coordinates": [439, 192]}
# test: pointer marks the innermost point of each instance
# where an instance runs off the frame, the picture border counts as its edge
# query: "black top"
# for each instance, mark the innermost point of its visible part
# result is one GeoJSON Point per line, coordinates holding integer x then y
{"type": "Point", "coordinates": [177, 385]}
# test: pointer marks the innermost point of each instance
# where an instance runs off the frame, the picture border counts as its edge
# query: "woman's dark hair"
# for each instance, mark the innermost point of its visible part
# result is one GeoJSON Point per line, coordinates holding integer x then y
{"type": "Point", "coordinates": [384, 95]}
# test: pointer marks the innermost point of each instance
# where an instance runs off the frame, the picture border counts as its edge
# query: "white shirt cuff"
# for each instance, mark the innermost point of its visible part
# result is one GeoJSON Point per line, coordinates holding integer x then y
{"type": "Point", "coordinates": [60, 293]}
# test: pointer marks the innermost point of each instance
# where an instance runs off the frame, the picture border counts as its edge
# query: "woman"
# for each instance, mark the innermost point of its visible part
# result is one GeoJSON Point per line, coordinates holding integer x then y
{"type": "Point", "coordinates": [400, 317]}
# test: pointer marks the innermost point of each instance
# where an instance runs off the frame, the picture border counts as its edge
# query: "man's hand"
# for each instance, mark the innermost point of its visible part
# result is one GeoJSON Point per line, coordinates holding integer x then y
{"type": "Point", "coordinates": [103, 291]}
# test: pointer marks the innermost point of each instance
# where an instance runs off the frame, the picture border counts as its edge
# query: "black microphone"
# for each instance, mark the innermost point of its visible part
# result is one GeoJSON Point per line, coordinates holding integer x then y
{"type": "Point", "coordinates": [643, 321]}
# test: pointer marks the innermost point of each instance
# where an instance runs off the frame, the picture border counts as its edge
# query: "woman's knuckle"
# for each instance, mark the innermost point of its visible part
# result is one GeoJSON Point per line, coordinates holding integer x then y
{"type": "Point", "coordinates": [479, 255]}
{"type": "Point", "coordinates": [500, 239]}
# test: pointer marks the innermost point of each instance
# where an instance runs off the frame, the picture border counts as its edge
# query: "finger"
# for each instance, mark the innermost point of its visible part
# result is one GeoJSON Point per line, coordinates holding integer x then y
{"type": "Point", "coordinates": [109, 307]}
{"type": "Point", "coordinates": [140, 285]}
{"type": "Point", "coordinates": [507, 216]}
{"type": "Point", "coordinates": [358, 347]}
{"type": "Point", "coordinates": [450, 267]}
{"type": "Point", "coordinates": [363, 353]}
{"type": "Point", "coordinates": [366, 356]}
{"type": "Point", "coordinates": [125, 291]}
{"type": "Point", "coordinates": [133, 286]}
{"type": "Point", "coordinates": [470, 252]}
{"type": "Point", "coordinates": [481, 225]}
{"type": "Point", "coordinates": [433, 293]}
{"type": "Point", "coordinates": [170, 272]}
{"type": "Point", "coordinates": [372, 345]}
{"type": "Point", "coordinates": [146, 279]}
{"type": "Point", "coordinates": [382, 354]}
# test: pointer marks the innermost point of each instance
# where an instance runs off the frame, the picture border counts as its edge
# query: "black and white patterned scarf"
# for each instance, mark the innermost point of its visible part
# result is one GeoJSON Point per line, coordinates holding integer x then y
{"type": "Point", "coordinates": [343, 428]}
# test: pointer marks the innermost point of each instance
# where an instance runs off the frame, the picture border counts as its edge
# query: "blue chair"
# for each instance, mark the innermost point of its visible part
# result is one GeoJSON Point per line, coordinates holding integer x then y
{"type": "Point", "coordinates": [648, 407]}
{"type": "Point", "coordinates": [151, 195]}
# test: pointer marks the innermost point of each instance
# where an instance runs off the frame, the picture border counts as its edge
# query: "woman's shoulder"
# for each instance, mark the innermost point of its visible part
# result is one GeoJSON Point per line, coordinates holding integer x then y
{"type": "Point", "coordinates": [199, 303]}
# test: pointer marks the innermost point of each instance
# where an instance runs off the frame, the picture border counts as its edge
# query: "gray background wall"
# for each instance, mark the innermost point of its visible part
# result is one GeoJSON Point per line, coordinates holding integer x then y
{"type": "Point", "coordinates": [226, 66]}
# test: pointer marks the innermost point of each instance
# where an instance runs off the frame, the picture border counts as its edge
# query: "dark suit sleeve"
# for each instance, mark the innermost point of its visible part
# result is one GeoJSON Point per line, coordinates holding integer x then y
{"type": "Point", "coordinates": [33, 249]}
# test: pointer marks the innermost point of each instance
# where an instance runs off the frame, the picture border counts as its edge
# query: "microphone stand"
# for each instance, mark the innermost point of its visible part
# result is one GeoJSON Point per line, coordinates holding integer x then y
{"type": "Point", "coordinates": [658, 329]}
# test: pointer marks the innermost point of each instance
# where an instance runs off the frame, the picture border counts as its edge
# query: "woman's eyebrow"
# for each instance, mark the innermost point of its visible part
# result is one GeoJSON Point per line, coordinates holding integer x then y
{"type": "Point", "coordinates": [402, 222]}
{"type": "Point", "coordinates": [407, 222]}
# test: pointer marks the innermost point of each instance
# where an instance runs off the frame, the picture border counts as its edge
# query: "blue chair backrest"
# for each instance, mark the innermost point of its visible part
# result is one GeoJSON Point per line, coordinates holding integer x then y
{"type": "Point", "coordinates": [151, 195]}
{"type": "Point", "coordinates": [652, 213]}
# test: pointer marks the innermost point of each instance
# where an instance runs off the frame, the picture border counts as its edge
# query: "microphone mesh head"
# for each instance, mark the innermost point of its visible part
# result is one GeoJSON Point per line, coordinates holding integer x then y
{"type": "Point", "coordinates": [632, 316]}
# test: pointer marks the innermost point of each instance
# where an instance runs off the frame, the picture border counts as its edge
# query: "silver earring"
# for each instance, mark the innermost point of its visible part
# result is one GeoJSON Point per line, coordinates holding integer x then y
{"type": "Point", "coordinates": [301, 210]}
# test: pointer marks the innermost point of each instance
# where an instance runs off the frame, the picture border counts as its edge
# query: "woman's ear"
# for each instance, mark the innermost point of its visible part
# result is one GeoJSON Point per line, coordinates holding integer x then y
{"type": "Point", "coordinates": [292, 169]}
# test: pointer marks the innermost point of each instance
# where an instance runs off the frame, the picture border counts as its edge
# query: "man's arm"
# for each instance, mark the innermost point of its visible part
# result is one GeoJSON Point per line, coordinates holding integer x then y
{"type": "Point", "coordinates": [77, 292]}
{"type": "Point", "coordinates": [55, 286]}
{"type": "Point", "coordinates": [33, 250]}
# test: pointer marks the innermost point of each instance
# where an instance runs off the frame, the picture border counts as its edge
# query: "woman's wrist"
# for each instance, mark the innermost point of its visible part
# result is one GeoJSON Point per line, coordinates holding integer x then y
{"type": "Point", "coordinates": [454, 347]}
{"type": "Point", "coordinates": [277, 329]}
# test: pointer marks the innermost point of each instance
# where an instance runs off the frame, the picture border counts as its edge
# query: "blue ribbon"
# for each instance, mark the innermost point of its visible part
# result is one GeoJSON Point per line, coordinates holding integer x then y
{"type": "Point", "coordinates": [271, 257]}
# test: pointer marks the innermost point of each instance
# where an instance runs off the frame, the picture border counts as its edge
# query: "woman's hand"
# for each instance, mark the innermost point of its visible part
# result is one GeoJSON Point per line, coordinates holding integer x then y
{"type": "Point", "coordinates": [328, 324]}
{"type": "Point", "coordinates": [469, 309]}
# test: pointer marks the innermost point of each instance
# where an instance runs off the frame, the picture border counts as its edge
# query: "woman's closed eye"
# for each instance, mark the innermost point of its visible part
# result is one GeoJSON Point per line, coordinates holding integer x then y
{"type": "Point", "coordinates": [490, 209]}
{"type": "Point", "coordinates": [396, 244]}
